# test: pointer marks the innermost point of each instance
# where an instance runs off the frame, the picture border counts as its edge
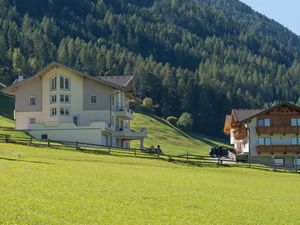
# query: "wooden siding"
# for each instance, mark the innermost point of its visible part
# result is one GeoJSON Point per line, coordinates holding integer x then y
{"type": "Point", "coordinates": [283, 149]}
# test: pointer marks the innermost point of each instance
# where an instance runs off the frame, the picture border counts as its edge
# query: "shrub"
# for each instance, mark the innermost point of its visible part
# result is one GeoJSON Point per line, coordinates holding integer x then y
{"type": "Point", "coordinates": [185, 121]}
{"type": "Point", "coordinates": [172, 120]}
{"type": "Point", "coordinates": [148, 103]}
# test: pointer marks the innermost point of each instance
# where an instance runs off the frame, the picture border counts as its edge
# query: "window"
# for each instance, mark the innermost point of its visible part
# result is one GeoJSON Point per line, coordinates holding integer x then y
{"type": "Point", "coordinates": [32, 120]}
{"type": "Point", "coordinates": [278, 162]}
{"type": "Point", "coordinates": [53, 112]}
{"type": "Point", "coordinates": [264, 122]}
{"type": "Point", "coordinates": [52, 99]}
{"type": "Point", "coordinates": [295, 122]}
{"type": "Point", "coordinates": [297, 161]}
{"type": "Point", "coordinates": [53, 84]}
{"type": "Point", "coordinates": [44, 137]}
{"type": "Point", "coordinates": [64, 83]}
{"type": "Point", "coordinates": [267, 122]}
{"type": "Point", "coordinates": [93, 99]}
{"type": "Point", "coordinates": [64, 111]}
{"type": "Point", "coordinates": [65, 98]}
{"type": "Point", "coordinates": [32, 101]}
{"type": "Point", "coordinates": [295, 140]}
{"type": "Point", "coordinates": [264, 141]}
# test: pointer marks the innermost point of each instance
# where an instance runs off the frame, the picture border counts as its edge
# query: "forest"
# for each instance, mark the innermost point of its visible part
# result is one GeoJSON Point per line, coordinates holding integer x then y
{"type": "Point", "coordinates": [203, 57]}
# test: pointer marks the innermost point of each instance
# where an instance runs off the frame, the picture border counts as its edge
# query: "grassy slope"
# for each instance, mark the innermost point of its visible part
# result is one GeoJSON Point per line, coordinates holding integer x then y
{"type": "Point", "coordinates": [59, 187]}
{"type": "Point", "coordinates": [170, 139]}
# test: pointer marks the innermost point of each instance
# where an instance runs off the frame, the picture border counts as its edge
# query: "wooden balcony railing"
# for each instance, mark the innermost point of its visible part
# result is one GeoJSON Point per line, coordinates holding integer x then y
{"type": "Point", "coordinates": [278, 130]}
{"type": "Point", "coordinates": [283, 149]}
{"type": "Point", "coordinates": [240, 134]}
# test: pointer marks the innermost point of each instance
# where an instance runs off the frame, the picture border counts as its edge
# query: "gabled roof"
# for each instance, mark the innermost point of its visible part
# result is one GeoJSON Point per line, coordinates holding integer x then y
{"type": "Point", "coordinates": [243, 114]}
{"type": "Point", "coordinates": [122, 81]}
{"type": "Point", "coordinates": [271, 109]}
{"type": "Point", "coordinates": [9, 90]}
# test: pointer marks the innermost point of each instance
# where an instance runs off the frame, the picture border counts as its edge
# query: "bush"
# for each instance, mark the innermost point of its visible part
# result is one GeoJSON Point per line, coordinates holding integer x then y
{"type": "Point", "coordinates": [185, 121]}
{"type": "Point", "coordinates": [172, 120]}
{"type": "Point", "coordinates": [148, 103]}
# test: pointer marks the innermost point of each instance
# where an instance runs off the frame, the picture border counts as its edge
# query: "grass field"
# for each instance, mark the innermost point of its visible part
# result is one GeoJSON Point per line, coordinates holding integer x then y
{"type": "Point", "coordinates": [46, 186]}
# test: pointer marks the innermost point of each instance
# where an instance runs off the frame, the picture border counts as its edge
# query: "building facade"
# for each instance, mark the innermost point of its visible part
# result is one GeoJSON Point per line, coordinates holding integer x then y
{"type": "Point", "coordinates": [62, 104]}
{"type": "Point", "coordinates": [270, 135]}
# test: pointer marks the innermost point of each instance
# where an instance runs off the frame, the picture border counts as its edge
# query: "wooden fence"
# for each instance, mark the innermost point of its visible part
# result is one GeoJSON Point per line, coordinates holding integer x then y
{"type": "Point", "coordinates": [109, 150]}
{"type": "Point", "coordinates": [188, 158]}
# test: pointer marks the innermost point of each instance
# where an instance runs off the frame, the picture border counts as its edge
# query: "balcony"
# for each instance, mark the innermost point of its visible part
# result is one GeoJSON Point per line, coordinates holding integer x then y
{"type": "Point", "coordinates": [278, 130]}
{"type": "Point", "coordinates": [124, 113]}
{"type": "Point", "coordinates": [127, 133]}
{"type": "Point", "coordinates": [282, 149]}
{"type": "Point", "coordinates": [240, 134]}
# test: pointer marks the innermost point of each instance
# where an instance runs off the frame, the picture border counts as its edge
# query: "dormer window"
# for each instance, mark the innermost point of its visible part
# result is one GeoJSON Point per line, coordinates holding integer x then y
{"type": "Point", "coordinates": [53, 84]}
{"type": "Point", "coordinates": [64, 83]}
{"type": "Point", "coordinates": [32, 101]}
{"type": "Point", "coordinates": [264, 122]}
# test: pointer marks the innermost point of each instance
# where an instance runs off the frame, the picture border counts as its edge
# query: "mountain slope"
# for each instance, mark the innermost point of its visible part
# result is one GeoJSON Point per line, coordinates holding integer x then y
{"type": "Point", "coordinates": [198, 56]}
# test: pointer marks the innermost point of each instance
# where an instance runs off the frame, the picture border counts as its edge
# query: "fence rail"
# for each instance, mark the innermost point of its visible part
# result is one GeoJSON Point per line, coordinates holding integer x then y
{"type": "Point", "coordinates": [193, 159]}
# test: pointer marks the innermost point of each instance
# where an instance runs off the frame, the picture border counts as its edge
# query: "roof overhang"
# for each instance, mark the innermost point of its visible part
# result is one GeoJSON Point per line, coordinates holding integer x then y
{"type": "Point", "coordinates": [11, 90]}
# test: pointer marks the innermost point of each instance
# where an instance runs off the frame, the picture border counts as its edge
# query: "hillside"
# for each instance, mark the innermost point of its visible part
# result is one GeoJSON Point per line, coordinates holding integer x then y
{"type": "Point", "coordinates": [171, 139]}
{"type": "Point", "coordinates": [48, 186]}
{"type": "Point", "coordinates": [198, 56]}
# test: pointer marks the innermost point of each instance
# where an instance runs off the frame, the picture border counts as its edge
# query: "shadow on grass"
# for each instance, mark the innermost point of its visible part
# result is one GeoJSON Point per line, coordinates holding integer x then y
{"type": "Point", "coordinates": [21, 160]}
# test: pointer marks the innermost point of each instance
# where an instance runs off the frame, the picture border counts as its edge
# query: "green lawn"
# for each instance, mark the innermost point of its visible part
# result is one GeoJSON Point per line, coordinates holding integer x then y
{"type": "Point", "coordinates": [46, 186]}
{"type": "Point", "coordinates": [171, 139]}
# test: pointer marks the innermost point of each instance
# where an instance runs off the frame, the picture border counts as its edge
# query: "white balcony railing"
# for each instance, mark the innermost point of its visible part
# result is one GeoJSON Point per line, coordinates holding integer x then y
{"type": "Point", "coordinates": [130, 134]}
{"type": "Point", "coordinates": [124, 112]}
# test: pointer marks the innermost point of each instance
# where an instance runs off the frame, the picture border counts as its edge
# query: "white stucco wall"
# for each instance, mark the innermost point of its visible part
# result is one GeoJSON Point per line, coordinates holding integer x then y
{"type": "Point", "coordinates": [69, 132]}
{"type": "Point", "coordinates": [22, 119]}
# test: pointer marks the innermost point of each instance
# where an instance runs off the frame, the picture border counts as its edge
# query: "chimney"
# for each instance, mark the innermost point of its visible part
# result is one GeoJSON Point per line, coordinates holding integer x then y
{"type": "Point", "coordinates": [20, 78]}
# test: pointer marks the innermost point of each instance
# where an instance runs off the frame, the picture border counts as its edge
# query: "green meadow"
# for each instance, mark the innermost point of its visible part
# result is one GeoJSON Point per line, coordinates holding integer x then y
{"type": "Point", "coordinates": [171, 139]}
{"type": "Point", "coordinates": [47, 186]}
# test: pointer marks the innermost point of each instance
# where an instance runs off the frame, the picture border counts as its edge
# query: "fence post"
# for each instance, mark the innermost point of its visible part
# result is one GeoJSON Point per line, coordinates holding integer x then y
{"type": "Point", "coordinates": [158, 154]}
{"type": "Point", "coordinates": [135, 152]}
{"type": "Point", "coordinates": [77, 147]}
{"type": "Point", "coordinates": [6, 138]}
{"type": "Point", "coordinates": [30, 141]}
{"type": "Point", "coordinates": [108, 150]}
{"type": "Point", "coordinates": [187, 157]}
{"type": "Point", "coordinates": [48, 143]}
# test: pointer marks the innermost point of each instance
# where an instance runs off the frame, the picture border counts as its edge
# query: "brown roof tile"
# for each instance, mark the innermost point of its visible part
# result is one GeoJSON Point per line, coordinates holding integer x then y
{"type": "Point", "coordinates": [243, 114]}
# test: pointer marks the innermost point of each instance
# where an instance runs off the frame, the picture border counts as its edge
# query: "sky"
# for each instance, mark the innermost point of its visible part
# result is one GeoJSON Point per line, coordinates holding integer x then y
{"type": "Point", "coordinates": [286, 12]}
